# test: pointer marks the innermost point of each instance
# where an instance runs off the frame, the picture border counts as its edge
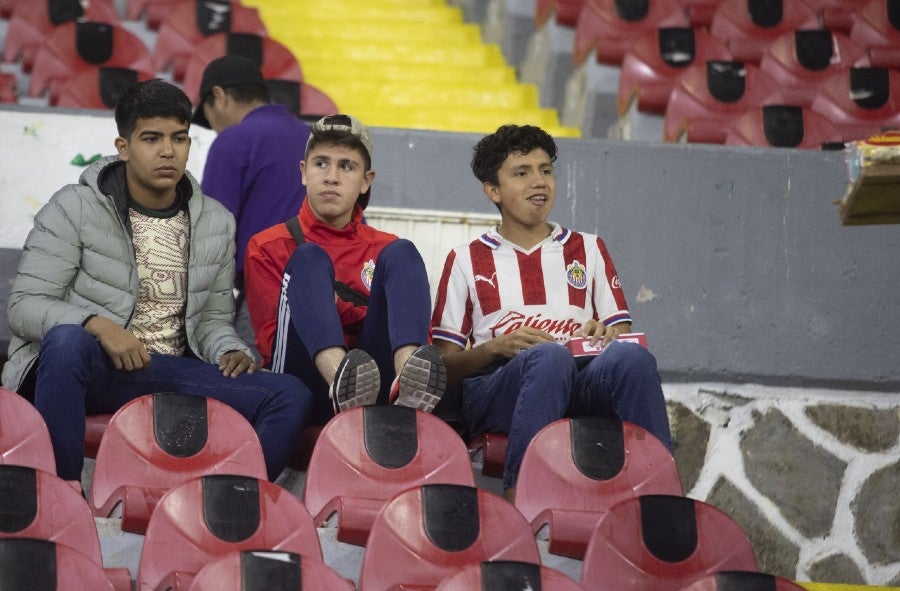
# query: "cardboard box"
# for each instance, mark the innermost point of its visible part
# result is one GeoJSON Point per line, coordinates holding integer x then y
{"type": "Point", "coordinates": [581, 347]}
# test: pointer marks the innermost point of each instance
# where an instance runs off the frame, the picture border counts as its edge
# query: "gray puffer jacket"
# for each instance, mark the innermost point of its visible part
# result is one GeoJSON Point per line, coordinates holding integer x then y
{"type": "Point", "coordinates": [79, 261]}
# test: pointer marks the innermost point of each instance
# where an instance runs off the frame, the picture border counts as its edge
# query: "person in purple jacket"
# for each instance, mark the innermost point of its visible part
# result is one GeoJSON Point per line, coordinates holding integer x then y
{"type": "Point", "coordinates": [253, 165]}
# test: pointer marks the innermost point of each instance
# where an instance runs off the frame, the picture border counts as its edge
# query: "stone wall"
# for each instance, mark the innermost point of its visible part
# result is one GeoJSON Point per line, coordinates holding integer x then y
{"type": "Point", "coordinates": [812, 476]}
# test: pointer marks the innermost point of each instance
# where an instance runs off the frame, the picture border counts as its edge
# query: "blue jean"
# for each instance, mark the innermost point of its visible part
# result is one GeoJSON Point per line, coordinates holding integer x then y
{"type": "Point", "coordinates": [544, 383]}
{"type": "Point", "coordinates": [398, 314]}
{"type": "Point", "coordinates": [75, 377]}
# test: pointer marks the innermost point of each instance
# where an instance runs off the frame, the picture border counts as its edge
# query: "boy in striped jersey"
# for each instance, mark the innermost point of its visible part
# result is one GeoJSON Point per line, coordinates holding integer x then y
{"type": "Point", "coordinates": [509, 299]}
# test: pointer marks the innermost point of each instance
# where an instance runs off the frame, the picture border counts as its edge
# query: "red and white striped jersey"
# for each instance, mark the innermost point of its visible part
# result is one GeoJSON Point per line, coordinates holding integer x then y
{"type": "Point", "coordinates": [492, 287]}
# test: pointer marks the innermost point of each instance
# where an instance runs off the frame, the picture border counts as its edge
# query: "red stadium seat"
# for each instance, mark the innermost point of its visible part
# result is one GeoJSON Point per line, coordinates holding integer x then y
{"type": "Point", "coordinates": [24, 439]}
{"type": "Point", "coordinates": [276, 61]}
{"type": "Point", "coordinates": [188, 23]}
{"type": "Point", "coordinates": [29, 563]}
{"type": "Point", "coordinates": [425, 534]}
{"type": "Point", "coordinates": [610, 26]}
{"type": "Point", "coordinates": [656, 59]}
{"type": "Point", "coordinates": [662, 542]}
{"type": "Point", "coordinates": [493, 452]}
{"type": "Point", "coordinates": [708, 98]}
{"type": "Point", "coordinates": [799, 61]}
{"type": "Point", "coordinates": [877, 29]}
{"type": "Point", "coordinates": [837, 15]}
{"type": "Point", "coordinates": [6, 7]}
{"type": "Point", "coordinates": [700, 12]}
{"type": "Point", "coordinates": [301, 99]}
{"type": "Point", "coordinates": [31, 21]}
{"type": "Point", "coordinates": [160, 440]}
{"type": "Point", "coordinates": [742, 581]}
{"type": "Point", "coordinates": [268, 571]}
{"type": "Point", "coordinates": [860, 102]}
{"type": "Point", "coordinates": [73, 47]}
{"type": "Point", "coordinates": [498, 575]}
{"type": "Point", "coordinates": [38, 504]}
{"type": "Point", "coordinates": [748, 26]}
{"type": "Point", "coordinates": [205, 518]}
{"type": "Point", "coordinates": [136, 9]}
{"type": "Point", "coordinates": [8, 93]}
{"type": "Point", "coordinates": [99, 88]}
{"type": "Point", "coordinates": [575, 469]}
{"type": "Point", "coordinates": [367, 454]}
{"type": "Point", "coordinates": [782, 126]}
{"type": "Point", "coordinates": [565, 11]}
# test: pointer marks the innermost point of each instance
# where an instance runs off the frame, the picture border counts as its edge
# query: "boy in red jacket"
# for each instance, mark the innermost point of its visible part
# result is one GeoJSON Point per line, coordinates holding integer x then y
{"type": "Point", "coordinates": [336, 302]}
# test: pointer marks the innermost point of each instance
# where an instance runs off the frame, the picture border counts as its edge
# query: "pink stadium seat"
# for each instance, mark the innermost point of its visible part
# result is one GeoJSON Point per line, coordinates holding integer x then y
{"type": "Point", "coordinates": [367, 454]}
{"type": "Point", "coordinates": [99, 88]}
{"type": "Point", "coordinates": [31, 21]}
{"type": "Point", "coordinates": [748, 26]}
{"type": "Point", "coordinates": [29, 563]}
{"type": "Point", "coordinates": [860, 102]}
{"type": "Point", "coordinates": [656, 59]}
{"type": "Point", "coordinates": [493, 452]}
{"type": "Point", "coordinates": [94, 428]}
{"type": "Point", "coordinates": [73, 47]}
{"type": "Point", "coordinates": [782, 126]}
{"type": "Point", "coordinates": [877, 29]}
{"type": "Point", "coordinates": [24, 439]}
{"type": "Point", "coordinates": [268, 571]}
{"type": "Point", "coordinates": [575, 469]}
{"type": "Point", "coordinates": [301, 99]}
{"type": "Point", "coordinates": [700, 12]}
{"type": "Point", "coordinates": [158, 441]}
{"type": "Point", "coordinates": [662, 542]}
{"type": "Point", "coordinates": [276, 61]}
{"type": "Point", "coordinates": [837, 15]}
{"type": "Point", "coordinates": [708, 98]}
{"type": "Point", "coordinates": [799, 61]}
{"type": "Point", "coordinates": [498, 575]}
{"type": "Point", "coordinates": [742, 581]}
{"type": "Point", "coordinates": [205, 518]}
{"type": "Point", "coordinates": [425, 534]}
{"type": "Point", "coordinates": [565, 11]}
{"type": "Point", "coordinates": [8, 94]}
{"type": "Point", "coordinates": [610, 26]}
{"type": "Point", "coordinates": [6, 7]}
{"type": "Point", "coordinates": [188, 23]}
{"type": "Point", "coordinates": [38, 504]}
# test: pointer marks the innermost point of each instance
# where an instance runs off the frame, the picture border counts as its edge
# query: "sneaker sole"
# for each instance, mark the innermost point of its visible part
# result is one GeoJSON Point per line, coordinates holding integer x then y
{"type": "Point", "coordinates": [357, 381]}
{"type": "Point", "coordinates": [423, 380]}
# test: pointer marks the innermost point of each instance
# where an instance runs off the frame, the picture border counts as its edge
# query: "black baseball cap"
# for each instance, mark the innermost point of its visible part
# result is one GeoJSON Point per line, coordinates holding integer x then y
{"type": "Point", "coordinates": [228, 70]}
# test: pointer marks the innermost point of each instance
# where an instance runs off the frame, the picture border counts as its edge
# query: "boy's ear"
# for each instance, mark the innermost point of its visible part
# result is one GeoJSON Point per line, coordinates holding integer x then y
{"type": "Point", "coordinates": [492, 191]}
{"type": "Point", "coordinates": [122, 147]}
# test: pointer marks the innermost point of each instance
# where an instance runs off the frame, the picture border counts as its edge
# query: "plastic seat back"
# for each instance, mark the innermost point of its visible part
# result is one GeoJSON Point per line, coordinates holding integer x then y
{"type": "Point", "coordinates": [42, 565]}
{"type": "Point", "coordinates": [74, 47]}
{"type": "Point", "coordinates": [663, 542]}
{"type": "Point", "coordinates": [656, 60]}
{"type": "Point", "coordinates": [799, 61]}
{"type": "Point", "coordinates": [301, 99]}
{"type": "Point", "coordinates": [575, 469]}
{"type": "Point", "coordinates": [837, 15]}
{"type": "Point", "coordinates": [783, 126]}
{"type": "Point", "coordinates": [876, 28]}
{"type": "Point", "coordinates": [205, 518]}
{"type": "Point", "coordinates": [611, 26]}
{"type": "Point", "coordinates": [160, 440]}
{"type": "Point", "coordinates": [700, 12]}
{"type": "Point", "coordinates": [24, 439]}
{"type": "Point", "coordinates": [860, 102]}
{"type": "Point", "coordinates": [368, 454]}
{"type": "Point", "coordinates": [99, 88]}
{"type": "Point", "coordinates": [707, 98]}
{"type": "Point", "coordinates": [268, 571]}
{"type": "Point", "coordinates": [742, 581]}
{"type": "Point", "coordinates": [564, 11]}
{"type": "Point", "coordinates": [188, 23]}
{"type": "Point", "coordinates": [424, 534]}
{"type": "Point", "coordinates": [275, 60]}
{"type": "Point", "coordinates": [8, 96]}
{"type": "Point", "coordinates": [748, 26]}
{"type": "Point", "coordinates": [507, 575]}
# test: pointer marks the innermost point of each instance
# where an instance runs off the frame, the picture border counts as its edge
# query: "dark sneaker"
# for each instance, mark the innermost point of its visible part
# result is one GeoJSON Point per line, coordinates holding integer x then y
{"type": "Point", "coordinates": [422, 380]}
{"type": "Point", "coordinates": [356, 381]}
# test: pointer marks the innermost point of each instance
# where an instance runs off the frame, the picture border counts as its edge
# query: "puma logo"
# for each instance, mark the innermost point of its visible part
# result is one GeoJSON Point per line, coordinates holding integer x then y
{"type": "Point", "coordinates": [487, 279]}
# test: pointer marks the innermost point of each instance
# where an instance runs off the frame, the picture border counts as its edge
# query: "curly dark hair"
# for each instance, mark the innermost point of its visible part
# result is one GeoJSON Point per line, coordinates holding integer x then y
{"type": "Point", "coordinates": [492, 150]}
{"type": "Point", "coordinates": [148, 99]}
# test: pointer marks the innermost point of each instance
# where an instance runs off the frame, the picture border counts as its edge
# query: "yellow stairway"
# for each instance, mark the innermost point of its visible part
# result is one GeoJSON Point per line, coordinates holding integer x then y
{"type": "Point", "coordinates": [405, 63]}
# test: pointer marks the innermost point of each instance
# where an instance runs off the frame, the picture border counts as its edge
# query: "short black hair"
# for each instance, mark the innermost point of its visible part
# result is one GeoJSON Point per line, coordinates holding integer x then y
{"type": "Point", "coordinates": [340, 138]}
{"type": "Point", "coordinates": [243, 93]}
{"type": "Point", "coordinates": [152, 98]}
{"type": "Point", "coordinates": [492, 150]}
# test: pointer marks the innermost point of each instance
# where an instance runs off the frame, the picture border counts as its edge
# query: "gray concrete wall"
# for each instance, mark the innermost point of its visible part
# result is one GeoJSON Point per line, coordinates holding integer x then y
{"type": "Point", "coordinates": [734, 259]}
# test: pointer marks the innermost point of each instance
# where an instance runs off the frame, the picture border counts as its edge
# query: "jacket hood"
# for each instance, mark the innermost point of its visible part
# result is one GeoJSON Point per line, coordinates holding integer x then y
{"type": "Point", "coordinates": [106, 176]}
